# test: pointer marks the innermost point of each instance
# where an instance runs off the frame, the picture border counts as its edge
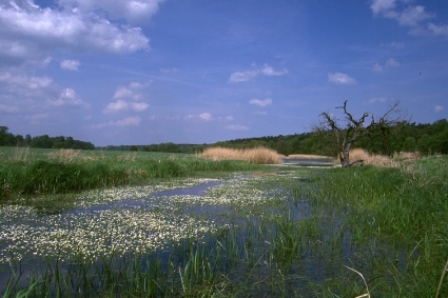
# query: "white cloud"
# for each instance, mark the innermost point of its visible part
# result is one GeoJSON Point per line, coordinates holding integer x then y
{"type": "Point", "coordinates": [377, 67]}
{"type": "Point", "coordinates": [122, 105]}
{"type": "Point", "coordinates": [70, 64]}
{"type": "Point", "coordinates": [132, 91]}
{"type": "Point", "coordinates": [28, 31]}
{"type": "Point", "coordinates": [269, 71]}
{"type": "Point", "coordinates": [411, 16]}
{"type": "Point", "coordinates": [377, 99]}
{"type": "Point", "coordinates": [139, 106]}
{"type": "Point", "coordinates": [25, 81]}
{"type": "Point", "coordinates": [438, 108]}
{"type": "Point", "coordinates": [237, 127]}
{"type": "Point", "coordinates": [381, 6]}
{"type": "Point", "coordinates": [68, 97]}
{"type": "Point", "coordinates": [266, 70]}
{"type": "Point", "coordinates": [392, 63]}
{"type": "Point", "coordinates": [134, 11]}
{"type": "Point", "coordinates": [243, 76]}
{"type": "Point", "coordinates": [438, 30]}
{"type": "Point", "coordinates": [205, 116]}
{"type": "Point", "coordinates": [262, 103]}
{"type": "Point", "coordinates": [122, 92]}
{"type": "Point", "coordinates": [129, 121]}
{"type": "Point", "coordinates": [341, 79]}
{"type": "Point", "coordinates": [119, 105]}
{"type": "Point", "coordinates": [128, 98]}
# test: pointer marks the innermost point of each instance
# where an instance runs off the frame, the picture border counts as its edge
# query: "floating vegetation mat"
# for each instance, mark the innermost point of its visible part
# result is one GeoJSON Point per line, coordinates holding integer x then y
{"type": "Point", "coordinates": [98, 227]}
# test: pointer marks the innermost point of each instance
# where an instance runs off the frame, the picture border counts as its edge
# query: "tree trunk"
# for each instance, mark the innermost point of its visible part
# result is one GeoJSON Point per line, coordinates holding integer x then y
{"type": "Point", "coordinates": [344, 157]}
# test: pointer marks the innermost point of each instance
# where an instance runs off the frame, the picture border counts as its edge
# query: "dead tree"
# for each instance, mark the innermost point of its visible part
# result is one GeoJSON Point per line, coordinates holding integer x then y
{"type": "Point", "coordinates": [354, 129]}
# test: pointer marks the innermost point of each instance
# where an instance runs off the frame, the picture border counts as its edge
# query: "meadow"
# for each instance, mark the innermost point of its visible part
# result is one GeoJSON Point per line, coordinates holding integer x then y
{"type": "Point", "coordinates": [221, 228]}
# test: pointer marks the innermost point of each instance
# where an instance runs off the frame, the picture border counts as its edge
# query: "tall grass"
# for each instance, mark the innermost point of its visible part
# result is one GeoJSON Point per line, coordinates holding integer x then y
{"type": "Point", "coordinates": [65, 171]}
{"type": "Point", "coordinates": [258, 155]}
{"type": "Point", "coordinates": [403, 206]}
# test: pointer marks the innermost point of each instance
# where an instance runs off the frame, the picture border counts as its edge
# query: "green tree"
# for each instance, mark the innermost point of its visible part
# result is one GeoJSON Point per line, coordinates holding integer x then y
{"type": "Point", "coordinates": [3, 132]}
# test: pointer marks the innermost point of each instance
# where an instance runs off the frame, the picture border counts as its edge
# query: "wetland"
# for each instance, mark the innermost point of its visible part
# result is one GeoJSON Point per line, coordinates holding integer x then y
{"type": "Point", "coordinates": [265, 231]}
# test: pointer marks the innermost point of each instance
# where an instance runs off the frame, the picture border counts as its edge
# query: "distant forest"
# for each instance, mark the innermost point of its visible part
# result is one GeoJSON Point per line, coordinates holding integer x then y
{"type": "Point", "coordinates": [405, 136]}
{"type": "Point", "coordinates": [9, 139]}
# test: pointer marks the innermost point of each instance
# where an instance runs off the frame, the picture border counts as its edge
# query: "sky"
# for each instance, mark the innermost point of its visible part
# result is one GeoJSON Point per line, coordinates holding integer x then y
{"type": "Point", "coordinates": [136, 72]}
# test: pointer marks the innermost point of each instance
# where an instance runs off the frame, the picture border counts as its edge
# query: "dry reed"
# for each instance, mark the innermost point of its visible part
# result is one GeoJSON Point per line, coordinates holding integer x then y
{"type": "Point", "coordinates": [258, 155]}
{"type": "Point", "coordinates": [70, 155]}
{"type": "Point", "coordinates": [371, 159]}
{"type": "Point", "coordinates": [407, 155]}
{"type": "Point", "coordinates": [21, 154]}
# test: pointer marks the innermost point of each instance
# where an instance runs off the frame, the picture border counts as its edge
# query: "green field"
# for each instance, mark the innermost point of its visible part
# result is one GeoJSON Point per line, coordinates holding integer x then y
{"type": "Point", "coordinates": [262, 231]}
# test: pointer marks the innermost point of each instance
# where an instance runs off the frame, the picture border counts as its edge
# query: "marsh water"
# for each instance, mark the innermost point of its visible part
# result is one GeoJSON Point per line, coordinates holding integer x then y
{"type": "Point", "coordinates": [288, 240]}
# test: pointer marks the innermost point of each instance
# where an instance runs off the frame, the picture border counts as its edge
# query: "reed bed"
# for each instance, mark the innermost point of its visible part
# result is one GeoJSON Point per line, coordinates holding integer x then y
{"type": "Point", "coordinates": [359, 154]}
{"type": "Point", "coordinates": [258, 155]}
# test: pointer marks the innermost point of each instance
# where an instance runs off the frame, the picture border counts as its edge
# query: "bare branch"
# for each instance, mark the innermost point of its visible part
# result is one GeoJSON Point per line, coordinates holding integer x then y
{"type": "Point", "coordinates": [355, 129]}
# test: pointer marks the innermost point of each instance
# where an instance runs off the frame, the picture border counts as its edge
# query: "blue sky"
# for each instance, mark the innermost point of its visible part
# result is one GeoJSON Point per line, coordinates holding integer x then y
{"type": "Point", "coordinates": [201, 71]}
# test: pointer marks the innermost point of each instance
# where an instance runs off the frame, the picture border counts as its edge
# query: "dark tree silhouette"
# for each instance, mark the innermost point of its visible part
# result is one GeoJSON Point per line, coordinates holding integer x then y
{"type": "Point", "coordinates": [343, 135]}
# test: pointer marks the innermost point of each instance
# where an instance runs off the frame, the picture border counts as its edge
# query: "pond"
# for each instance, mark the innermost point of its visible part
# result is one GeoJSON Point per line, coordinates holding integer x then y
{"type": "Point", "coordinates": [257, 233]}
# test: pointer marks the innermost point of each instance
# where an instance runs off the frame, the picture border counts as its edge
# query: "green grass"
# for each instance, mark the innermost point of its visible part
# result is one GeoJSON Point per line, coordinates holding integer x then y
{"type": "Point", "coordinates": [40, 171]}
{"type": "Point", "coordinates": [403, 208]}
{"type": "Point", "coordinates": [303, 233]}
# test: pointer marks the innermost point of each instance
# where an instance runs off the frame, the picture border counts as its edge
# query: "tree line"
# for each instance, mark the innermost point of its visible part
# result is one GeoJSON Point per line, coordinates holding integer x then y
{"type": "Point", "coordinates": [44, 141]}
{"type": "Point", "coordinates": [403, 136]}
{"type": "Point", "coordinates": [428, 138]}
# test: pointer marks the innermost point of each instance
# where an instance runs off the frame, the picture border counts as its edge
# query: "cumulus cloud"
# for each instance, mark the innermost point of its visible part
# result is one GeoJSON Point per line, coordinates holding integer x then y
{"type": "Point", "coordinates": [121, 105]}
{"type": "Point", "coordinates": [409, 16]}
{"type": "Point", "coordinates": [339, 78]}
{"type": "Point", "coordinates": [29, 32]}
{"type": "Point", "coordinates": [377, 67]}
{"type": "Point", "coordinates": [70, 64]}
{"type": "Point", "coordinates": [24, 81]}
{"type": "Point", "coordinates": [201, 117]}
{"type": "Point", "coordinates": [261, 103]}
{"type": "Point", "coordinates": [266, 70]}
{"type": "Point", "coordinates": [441, 30]}
{"type": "Point", "coordinates": [134, 11]}
{"type": "Point", "coordinates": [438, 108]}
{"type": "Point", "coordinates": [390, 63]}
{"type": "Point", "coordinates": [68, 97]}
{"type": "Point", "coordinates": [205, 116]}
{"type": "Point", "coordinates": [128, 98]}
